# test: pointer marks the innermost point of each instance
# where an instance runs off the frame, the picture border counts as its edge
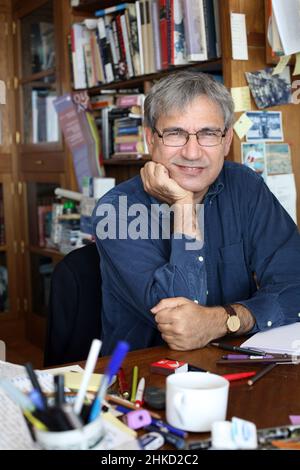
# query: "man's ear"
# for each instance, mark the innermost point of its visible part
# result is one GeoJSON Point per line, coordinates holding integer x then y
{"type": "Point", "coordinates": [227, 141]}
{"type": "Point", "coordinates": [149, 138]}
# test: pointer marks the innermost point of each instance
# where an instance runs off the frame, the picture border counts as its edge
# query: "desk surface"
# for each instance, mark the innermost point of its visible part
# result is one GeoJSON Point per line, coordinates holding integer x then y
{"type": "Point", "coordinates": [269, 402]}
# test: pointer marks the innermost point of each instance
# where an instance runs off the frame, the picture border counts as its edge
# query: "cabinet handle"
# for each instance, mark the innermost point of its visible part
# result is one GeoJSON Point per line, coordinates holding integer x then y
{"type": "Point", "coordinates": [39, 162]}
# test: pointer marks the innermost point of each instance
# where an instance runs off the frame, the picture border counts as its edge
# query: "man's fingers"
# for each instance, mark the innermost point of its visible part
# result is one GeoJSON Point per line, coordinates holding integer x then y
{"type": "Point", "coordinates": [171, 302]}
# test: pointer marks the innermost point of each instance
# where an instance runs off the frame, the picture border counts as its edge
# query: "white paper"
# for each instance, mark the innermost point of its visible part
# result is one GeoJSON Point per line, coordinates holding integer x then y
{"type": "Point", "coordinates": [287, 14]}
{"type": "Point", "coordinates": [2, 92]}
{"type": "Point", "coordinates": [284, 188]}
{"type": "Point", "coordinates": [239, 36]}
{"type": "Point", "coordinates": [282, 340]}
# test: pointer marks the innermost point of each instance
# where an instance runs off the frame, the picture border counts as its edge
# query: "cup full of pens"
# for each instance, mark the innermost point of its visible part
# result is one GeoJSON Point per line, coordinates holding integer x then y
{"type": "Point", "coordinates": [58, 425]}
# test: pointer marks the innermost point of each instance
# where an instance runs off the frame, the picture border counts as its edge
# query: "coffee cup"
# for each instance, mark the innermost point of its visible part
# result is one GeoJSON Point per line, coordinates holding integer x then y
{"type": "Point", "coordinates": [195, 400]}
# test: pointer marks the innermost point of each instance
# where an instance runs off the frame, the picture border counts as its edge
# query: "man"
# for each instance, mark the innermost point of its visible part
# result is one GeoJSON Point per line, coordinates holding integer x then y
{"type": "Point", "coordinates": [232, 267]}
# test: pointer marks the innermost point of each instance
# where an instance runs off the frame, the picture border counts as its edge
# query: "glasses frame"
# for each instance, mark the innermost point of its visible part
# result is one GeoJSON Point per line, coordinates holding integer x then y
{"type": "Point", "coordinates": [188, 134]}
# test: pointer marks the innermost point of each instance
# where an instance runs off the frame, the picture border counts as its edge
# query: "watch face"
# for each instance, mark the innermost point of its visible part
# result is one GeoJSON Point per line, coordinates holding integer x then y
{"type": "Point", "coordinates": [233, 323]}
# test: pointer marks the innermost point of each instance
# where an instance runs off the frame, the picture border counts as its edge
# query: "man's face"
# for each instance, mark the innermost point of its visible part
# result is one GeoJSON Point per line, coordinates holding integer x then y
{"type": "Point", "coordinates": [192, 166]}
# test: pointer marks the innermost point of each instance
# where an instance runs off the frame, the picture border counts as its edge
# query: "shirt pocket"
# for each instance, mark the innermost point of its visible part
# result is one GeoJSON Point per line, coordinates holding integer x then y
{"type": "Point", "coordinates": [234, 277]}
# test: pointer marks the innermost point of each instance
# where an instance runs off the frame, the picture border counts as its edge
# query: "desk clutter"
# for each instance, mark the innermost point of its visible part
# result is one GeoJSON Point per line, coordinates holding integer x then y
{"type": "Point", "coordinates": [70, 408]}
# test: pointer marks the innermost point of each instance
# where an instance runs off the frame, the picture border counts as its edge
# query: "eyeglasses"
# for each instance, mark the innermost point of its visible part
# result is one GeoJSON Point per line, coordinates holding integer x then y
{"type": "Point", "coordinates": [180, 137]}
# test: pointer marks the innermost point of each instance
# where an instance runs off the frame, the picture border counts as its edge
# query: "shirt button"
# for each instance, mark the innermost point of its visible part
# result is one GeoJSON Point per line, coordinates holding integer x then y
{"type": "Point", "coordinates": [299, 314]}
{"type": "Point", "coordinates": [269, 323]}
{"type": "Point", "coordinates": [196, 301]}
{"type": "Point", "coordinates": [207, 292]}
{"type": "Point", "coordinates": [201, 258]}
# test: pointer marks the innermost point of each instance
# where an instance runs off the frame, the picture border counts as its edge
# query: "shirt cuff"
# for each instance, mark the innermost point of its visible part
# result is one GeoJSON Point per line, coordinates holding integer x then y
{"type": "Point", "coordinates": [266, 310]}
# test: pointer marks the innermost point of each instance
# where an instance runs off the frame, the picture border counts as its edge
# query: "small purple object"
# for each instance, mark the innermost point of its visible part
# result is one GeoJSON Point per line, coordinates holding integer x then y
{"type": "Point", "coordinates": [138, 419]}
{"type": "Point", "coordinates": [295, 419]}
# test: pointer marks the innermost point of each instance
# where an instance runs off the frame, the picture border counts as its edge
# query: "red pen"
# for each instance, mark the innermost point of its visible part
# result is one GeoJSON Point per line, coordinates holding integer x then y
{"type": "Point", "coordinates": [123, 386]}
{"type": "Point", "coordinates": [238, 376]}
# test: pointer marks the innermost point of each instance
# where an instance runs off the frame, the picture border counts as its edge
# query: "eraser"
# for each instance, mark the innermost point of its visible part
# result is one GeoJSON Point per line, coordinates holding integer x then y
{"type": "Point", "coordinates": [168, 366]}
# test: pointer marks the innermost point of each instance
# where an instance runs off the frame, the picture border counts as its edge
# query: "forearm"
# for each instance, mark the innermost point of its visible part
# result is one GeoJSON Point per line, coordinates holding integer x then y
{"type": "Point", "coordinates": [186, 220]}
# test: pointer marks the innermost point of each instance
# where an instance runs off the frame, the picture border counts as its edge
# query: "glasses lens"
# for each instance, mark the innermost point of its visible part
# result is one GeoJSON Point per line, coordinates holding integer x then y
{"type": "Point", "coordinates": [209, 138]}
{"type": "Point", "coordinates": [175, 138]}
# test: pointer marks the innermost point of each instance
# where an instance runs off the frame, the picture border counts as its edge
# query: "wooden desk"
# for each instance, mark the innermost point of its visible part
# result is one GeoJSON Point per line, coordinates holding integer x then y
{"type": "Point", "coordinates": [269, 402]}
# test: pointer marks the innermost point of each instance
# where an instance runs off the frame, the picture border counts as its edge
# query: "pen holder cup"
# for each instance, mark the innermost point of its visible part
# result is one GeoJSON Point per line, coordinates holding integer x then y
{"type": "Point", "coordinates": [86, 438]}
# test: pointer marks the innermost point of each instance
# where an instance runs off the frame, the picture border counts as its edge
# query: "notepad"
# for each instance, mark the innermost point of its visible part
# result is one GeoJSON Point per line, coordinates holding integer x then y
{"type": "Point", "coordinates": [281, 340]}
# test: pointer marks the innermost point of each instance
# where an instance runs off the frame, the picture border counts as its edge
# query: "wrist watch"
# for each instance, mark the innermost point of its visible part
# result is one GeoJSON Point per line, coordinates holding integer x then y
{"type": "Point", "coordinates": [233, 322]}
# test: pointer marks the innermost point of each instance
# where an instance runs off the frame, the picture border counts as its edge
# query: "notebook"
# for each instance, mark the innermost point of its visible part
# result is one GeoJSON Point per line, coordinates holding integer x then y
{"type": "Point", "coordinates": [281, 340]}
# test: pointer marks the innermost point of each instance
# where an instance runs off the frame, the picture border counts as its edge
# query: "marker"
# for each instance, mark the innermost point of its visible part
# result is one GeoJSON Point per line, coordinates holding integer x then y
{"type": "Point", "coordinates": [36, 386]}
{"type": "Point", "coordinates": [123, 385]}
{"type": "Point", "coordinates": [239, 376]}
{"type": "Point", "coordinates": [140, 392]}
{"type": "Point", "coordinates": [112, 368]}
{"type": "Point", "coordinates": [16, 395]}
{"type": "Point", "coordinates": [228, 347]}
{"type": "Point", "coordinates": [135, 373]}
{"type": "Point", "coordinates": [128, 404]}
{"type": "Point", "coordinates": [89, 368]}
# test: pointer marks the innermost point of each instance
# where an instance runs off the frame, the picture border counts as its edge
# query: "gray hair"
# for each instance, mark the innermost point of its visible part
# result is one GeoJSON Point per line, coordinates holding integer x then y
{"type": "Point", "coordinates": [177, 90]}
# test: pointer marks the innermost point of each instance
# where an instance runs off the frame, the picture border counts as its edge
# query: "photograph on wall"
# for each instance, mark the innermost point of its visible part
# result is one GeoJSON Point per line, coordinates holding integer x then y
{"type": "Point", "coordinates": [270, 90]}
{"type": "Point", "coordinates": [254, 157]}
{"type": "Point", "coordinates": [278, 157]}
{"type": "Point", "coordinates": [267, 126]}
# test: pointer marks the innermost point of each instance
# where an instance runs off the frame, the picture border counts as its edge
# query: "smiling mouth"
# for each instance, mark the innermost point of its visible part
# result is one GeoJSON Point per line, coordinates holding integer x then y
{"type": "Point", "coordinates": [190, 169]}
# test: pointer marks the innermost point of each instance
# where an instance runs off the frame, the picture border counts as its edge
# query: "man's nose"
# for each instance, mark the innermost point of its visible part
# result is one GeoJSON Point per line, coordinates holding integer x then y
{"type": "Point", "coordinates": [192, 150]}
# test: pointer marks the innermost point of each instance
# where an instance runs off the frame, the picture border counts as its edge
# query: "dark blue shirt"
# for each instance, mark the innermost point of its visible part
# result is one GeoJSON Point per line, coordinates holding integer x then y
{"type": "Point", "coordinates": [250, 256]}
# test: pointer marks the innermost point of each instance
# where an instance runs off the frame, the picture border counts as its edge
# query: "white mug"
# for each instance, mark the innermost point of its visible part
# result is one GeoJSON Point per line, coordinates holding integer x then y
{"type": "Point", "coordinates": [195, 400]}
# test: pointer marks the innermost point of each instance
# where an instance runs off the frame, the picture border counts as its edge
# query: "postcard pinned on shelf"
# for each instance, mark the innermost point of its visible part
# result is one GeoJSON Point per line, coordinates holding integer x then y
{"type": "Point", "coordinates": [270, 90]}
{"type": "Point", "coordinates": [267, 126]}
{"type": "Point", "coordinates": [278, 157]}
{"type": "Point", "coordinates": [254, 157]}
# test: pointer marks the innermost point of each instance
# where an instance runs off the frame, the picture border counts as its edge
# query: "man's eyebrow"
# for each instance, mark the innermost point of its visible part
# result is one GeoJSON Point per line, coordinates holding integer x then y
{"type": "Point", "coordinates": [173, 129]}
{"type": "Point", "coordinates": [203, 129]}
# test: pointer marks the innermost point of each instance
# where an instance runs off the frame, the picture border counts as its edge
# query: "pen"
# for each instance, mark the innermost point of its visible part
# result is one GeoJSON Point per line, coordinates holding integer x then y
{"type": "Point", "coordinates": [134, 383]}
{"type": "Point", "coordinates": [261, 373]}
{"type": "Point", "coordinates": [16, 395]}
{"type": "Point", "coordinates": [36, 386]}
{"type": "Point", "coordinates": [239, 376]}
{"type": "Point", "coordinates": [128, 404]}
{"type": "Point", "coordinates": [246, 356]}
{"type": "Point", "coordinates": [161, 424]}
{"type": "Point", "coordinates": [89, 368]}
{"type": "Point", "coordinates": [140, 392]}
{"type": "Point", "coordinates": [284, 360]}
{"type": "Point", "coordinates": [112, 368]}
{"type": "Point", "coordinates": [123, 385]}
{"type": "Point", "coordinates": [59, 382]}
{"type": "Point", "coordinates": [228, 347]}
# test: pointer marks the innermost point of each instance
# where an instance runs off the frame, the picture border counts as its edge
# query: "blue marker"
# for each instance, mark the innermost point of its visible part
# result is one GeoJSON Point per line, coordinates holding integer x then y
{"type": "Point", "coordinates": [111, 369]}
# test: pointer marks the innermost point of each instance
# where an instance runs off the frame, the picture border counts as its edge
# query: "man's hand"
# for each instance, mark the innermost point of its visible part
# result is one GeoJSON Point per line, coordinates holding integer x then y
{"type": "Point", "coordinates": [185, 325]}
{"type": "Point", "coordinates": [157, 183]}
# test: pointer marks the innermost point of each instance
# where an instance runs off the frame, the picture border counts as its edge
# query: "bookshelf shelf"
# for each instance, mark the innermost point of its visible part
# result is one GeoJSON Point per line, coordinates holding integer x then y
{"type": "Point", "coordinates": [213, 66]}
{"type": "Point", "coordinates": [3, 248]}
{"type": "Point", "coordinates": [36, 77]}
{"type": "Point", "coordinates": [127, 161]}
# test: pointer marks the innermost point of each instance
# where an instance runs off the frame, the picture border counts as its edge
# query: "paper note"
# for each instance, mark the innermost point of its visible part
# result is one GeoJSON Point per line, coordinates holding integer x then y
{"type": "Point", "coordinates": [239, 36]}
{"type": "Point", "coordinates": [2, 92]}
{"type": "Point", "coordinates": [297, 65]}
{"type": "Point", "coordinates": [241, 98]}
{"type": "Point", "coordinates": [282, 340]}
{"type": "Point", "coordinates": [284, 188]}
{"type": "Point", "coordinates": [284, 60]}
{"type": "Point", "coordinates": [242, 125]}
{"type": "Point", "coordinates": [117, 434]}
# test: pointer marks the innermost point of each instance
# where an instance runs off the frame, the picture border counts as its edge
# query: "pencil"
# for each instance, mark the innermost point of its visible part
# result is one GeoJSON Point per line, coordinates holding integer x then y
{"type": "Point", "coordinates": [135, 373]}
{"type": "Point", "coordinates": [261, 373]}
{"type": "Point", "coordinates": [129, 404]}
